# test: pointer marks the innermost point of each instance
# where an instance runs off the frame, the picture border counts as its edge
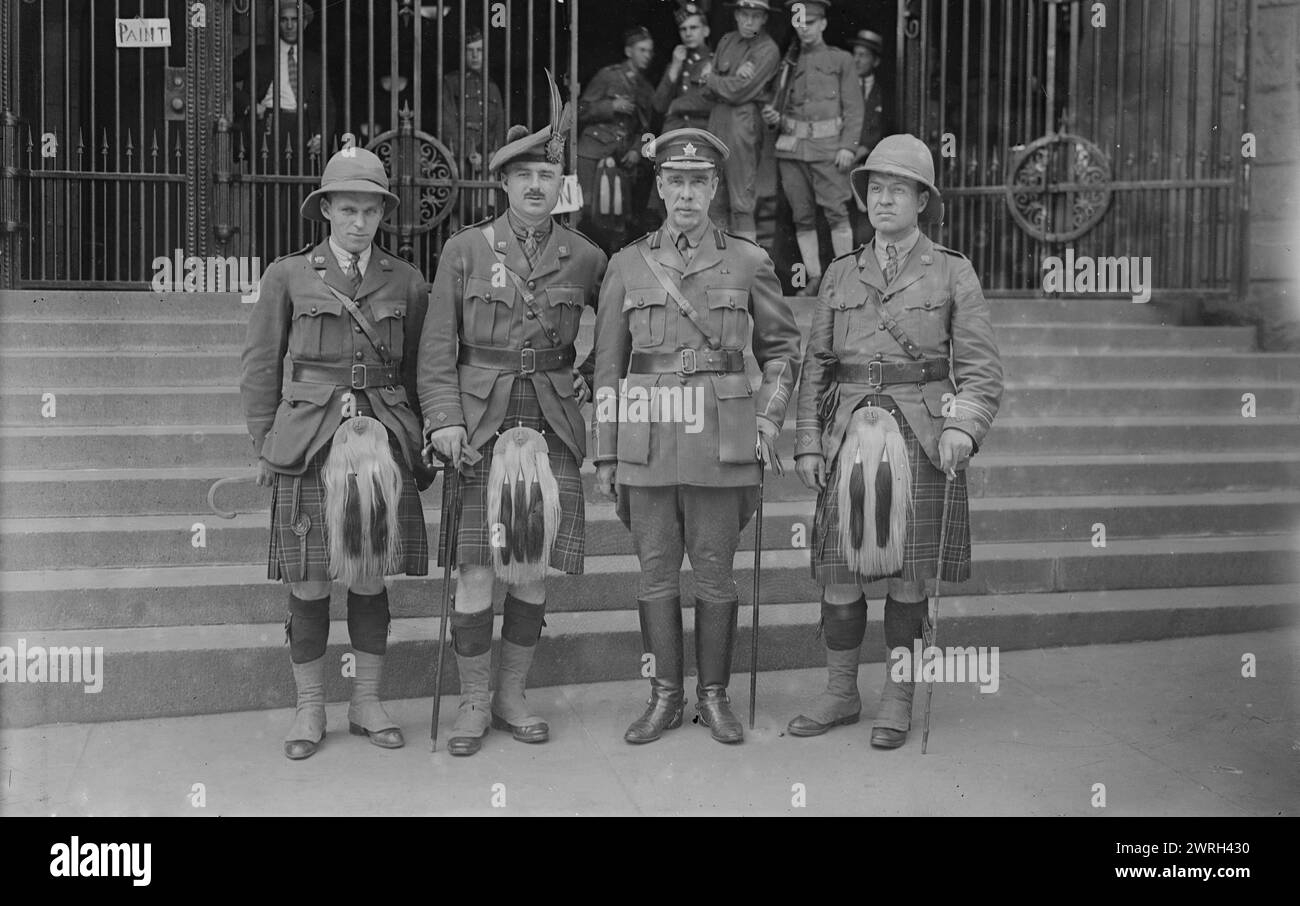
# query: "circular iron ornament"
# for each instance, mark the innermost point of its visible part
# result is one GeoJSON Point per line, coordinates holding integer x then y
{"type": "Point", "coordinates": [1058, 187]}
{"type": "Point", "coordinates": [424, 178]}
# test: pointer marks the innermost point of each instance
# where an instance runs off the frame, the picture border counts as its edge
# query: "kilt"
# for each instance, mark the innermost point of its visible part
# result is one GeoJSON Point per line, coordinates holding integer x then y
{"type": "Point", "coordinates": [284, 559]}
{"type": "Point", "coordinates": [473, 547]}
{"type": "Point", "coordinates": [922, 543]}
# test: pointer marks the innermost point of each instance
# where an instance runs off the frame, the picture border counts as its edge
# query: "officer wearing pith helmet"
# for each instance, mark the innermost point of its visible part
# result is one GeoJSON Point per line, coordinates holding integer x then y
{"type": "Point", "coordinates": [337, 433]}
{"type": "Point", "coordinates": [677, 310]}
{"type": "Point", "coordinates": [902, 382]}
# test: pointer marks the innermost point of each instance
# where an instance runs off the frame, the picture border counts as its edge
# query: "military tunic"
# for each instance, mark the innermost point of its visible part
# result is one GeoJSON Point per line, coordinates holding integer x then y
{"type": "Point", "coordinates": [937, 301]}
{"type": "Point", "coordinates": [605, 133]}
{"type": "Point", "coordinates": [469, 306]}
{"type": "Point", "coordinates": [736, 119]}
{"type": "Point", "coordinates": [822, 115]}
{"type": "Point", "coordinates": [733, 288]}
{"type": "Point", "coordinates": [465, 104]}
{"type": "Point", "coordinates": [683, 101]}
{"type": "Point", "coordinates": [292, 421]}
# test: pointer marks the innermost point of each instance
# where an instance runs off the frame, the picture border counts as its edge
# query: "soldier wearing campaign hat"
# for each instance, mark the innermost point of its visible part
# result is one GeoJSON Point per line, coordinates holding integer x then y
{"type": "Point", "coordinates": [497, 357]}
{"type": "Point", "coordinates": [614, 112]}
{"type": "Point", "coordinates": [678, 310]}
{"type": "Point", "coordinates": [819, 124]}
{"type": "Point", "coordinates": [737, 83]}
{"type": "Point", "coordinates": [348, 314]}
{"type": "Point", "coordinates": [900, 340]}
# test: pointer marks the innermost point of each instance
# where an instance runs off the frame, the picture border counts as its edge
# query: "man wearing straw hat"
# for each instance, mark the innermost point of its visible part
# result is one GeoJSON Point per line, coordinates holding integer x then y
{"type": "Point", "coordinates": [901, 383]}
{"type": "Point", "coordinates": [348, 314]}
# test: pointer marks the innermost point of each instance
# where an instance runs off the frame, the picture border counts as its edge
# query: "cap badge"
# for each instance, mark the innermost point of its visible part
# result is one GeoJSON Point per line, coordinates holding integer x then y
{"type": "Point", "coordinates": [689, 150]}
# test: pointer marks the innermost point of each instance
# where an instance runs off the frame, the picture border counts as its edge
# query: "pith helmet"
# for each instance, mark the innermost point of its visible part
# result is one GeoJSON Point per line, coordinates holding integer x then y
{"type": "Point", "coordinates": [900, 155]}
{"type": "Point", "coordinates": [350, 170]}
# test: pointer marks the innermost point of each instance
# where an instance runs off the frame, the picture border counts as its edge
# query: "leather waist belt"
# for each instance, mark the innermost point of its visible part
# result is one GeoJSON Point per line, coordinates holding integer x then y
{"type": "Point", "coordinates": [687, 361]}
{"type": "Point", "coordinates": [520, 361]}
{"type": "Point", "coordinates": [812, 128]}
{"type": "Point", "coordinates": [357, 377]}
{"type": "Point", "coordinates": [880, 374]}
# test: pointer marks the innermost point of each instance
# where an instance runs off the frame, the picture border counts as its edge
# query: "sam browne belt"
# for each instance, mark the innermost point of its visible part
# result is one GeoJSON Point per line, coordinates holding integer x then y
{"type": "Point", "coordinates": [357, 377]}
{"type": "Point", "coordinates": [521, 361]}
{"type": "Point", "coordinates": [687, 361]}
{"type": "Point", "coordinates": [880, 374]}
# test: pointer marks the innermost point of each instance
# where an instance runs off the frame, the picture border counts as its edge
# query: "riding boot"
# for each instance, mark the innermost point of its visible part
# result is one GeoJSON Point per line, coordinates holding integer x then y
{"type": "Point", "coordinates": [521, 626]}
{"type": "Point", "coordinates": [661, 636]}
{"type": "Point", "coordinates": [843, 626]}
{"type": "Point", "coordinates": [715, 635]}
{"type": "Point", "coordinates": [894, 716]}
{"type": "Point", "coordinates": [472, 636]}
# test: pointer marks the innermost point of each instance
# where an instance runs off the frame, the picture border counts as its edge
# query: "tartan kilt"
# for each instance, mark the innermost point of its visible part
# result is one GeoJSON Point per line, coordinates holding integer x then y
{"type": "Point", "coordinates": [921, 546]}
{"type": "Point", "coordinates": [473, 547]}
{"type": "Point", "coordinates": [285, 554]}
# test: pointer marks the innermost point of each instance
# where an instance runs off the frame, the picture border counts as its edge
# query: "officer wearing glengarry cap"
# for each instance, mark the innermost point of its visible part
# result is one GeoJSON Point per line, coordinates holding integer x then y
{"type": "Point", "coordinates": [341, 363]}
{"type": "Point", "coordinates": [498, 353]}
{"type": "Point", "coordinates": [677, 312]}
{"type": "Point", "coordinates": [901, 325]}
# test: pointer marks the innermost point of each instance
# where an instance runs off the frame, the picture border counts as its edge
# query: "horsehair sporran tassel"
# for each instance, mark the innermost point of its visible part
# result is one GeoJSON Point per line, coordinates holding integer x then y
{"type": "Point", "coordinates": [363, 485]}
{"type": "Point", "coordinates": [524, 500]}
{"type": "Point", "coordinates": [875, 494]}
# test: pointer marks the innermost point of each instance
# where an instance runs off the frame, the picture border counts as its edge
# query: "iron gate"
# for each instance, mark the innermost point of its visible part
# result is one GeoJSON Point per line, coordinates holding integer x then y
{"type": "Point", "coordinates": [1111, 128]}
{"type": "Point", "coordinates": [111, 157]}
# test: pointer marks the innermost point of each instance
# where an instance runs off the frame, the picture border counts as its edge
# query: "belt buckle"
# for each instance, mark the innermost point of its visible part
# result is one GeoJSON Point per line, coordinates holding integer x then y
{"type": "Point", "coordinates": [690, 363]}
{"type": "Point", "coordinates": [877, 378]}
{"type": "Point", "coordinates": [361, 384]}
{"type": "Point", "coordinates": [527, 360]}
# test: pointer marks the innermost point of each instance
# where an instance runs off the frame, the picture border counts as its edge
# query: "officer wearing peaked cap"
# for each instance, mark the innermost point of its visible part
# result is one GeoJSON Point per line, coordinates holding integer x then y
{"type": "Point", "coordinates": [497, 359]}
{"type": "Point", "coordinates": [677, 312]}
{"type": "Point", "coordinates": [900, 337]}
{"type": "Point", "coordinates": [348, 314]}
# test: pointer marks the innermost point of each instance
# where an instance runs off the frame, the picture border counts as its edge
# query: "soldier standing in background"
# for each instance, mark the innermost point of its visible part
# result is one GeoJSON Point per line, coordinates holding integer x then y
{"type": "Point", "coordinates": [743, 64]}
{"type": "Point", "coordinates": [462, 102]}
{"type": "Point", "coordinates": [614, 112]}
{"type": "Point", "coordinates": [820, 124]}
{"type": "Point", "coordinates": [877, 117]}
{"type": "Point", "coordinates": [680, 96]}
{"type": "Point", "coordinates": [677, 309]}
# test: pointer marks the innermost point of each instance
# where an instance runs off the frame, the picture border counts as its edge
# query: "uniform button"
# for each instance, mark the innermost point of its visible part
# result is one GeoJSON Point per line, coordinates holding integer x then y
{"type": "Point", "coordinates": [530, 315]}
{"type": "Point", "coordinates": [356, 328]}
{"type": "Point", "coordinates": [313, 309]}
{"type": "Point", "coordinates": [880, 327]}
{"type": "Point", "coordinates": [358, 356]}
{"type": "Point", "coordinates": [841, 306]}
{"type": "Point", "coordinates": [532, 284]}
{"type": "Point", "coordinates": [640, 303]}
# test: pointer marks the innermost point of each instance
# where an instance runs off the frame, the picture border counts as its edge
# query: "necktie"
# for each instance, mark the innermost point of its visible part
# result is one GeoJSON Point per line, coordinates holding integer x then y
{"type": "Point", "coordinates": [532, 242]}
{"type": "Point", "coordinates": [293, 73]}
{"type": "Point", "coordinates": [354, 273]}
{"type": "Point", "coordinates": [684, 247]}
{"type": "Point", "coordinates": [891, 263]}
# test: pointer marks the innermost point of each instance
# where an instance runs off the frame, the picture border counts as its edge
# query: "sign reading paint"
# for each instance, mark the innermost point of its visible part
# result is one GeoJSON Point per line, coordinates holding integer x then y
{"type": "Point", "coordinates": [144, 33]}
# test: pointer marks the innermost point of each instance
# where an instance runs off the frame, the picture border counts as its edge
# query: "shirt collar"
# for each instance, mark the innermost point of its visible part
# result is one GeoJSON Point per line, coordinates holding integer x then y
{"type": "Point", "coordinates": [344, 257]}
{"type": "Point", "coordinates": [901, 247]}
{"type": "Point", "coordinates": [693, 237]}
{"type": "Point", "coordinates": [521, 231]}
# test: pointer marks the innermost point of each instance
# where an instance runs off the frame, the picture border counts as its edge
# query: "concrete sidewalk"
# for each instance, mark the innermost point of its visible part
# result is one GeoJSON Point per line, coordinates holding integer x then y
{"type": "Point", "coordinates": [1169, 728]}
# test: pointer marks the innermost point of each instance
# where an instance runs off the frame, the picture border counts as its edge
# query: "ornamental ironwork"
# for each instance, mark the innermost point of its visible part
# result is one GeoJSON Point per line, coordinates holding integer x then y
{"type": "Point", "coordinates": [1059, 187]}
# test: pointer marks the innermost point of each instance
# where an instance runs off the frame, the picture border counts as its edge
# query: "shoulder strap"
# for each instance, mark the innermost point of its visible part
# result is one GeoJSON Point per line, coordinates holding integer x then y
{"type": "Point", "coordinates": [676, 294]}
{"type": "Point", "coordinates": [489, 236]}
{"type": "Point", "coordinates": [367, 326]}
{"type": "Point", "coordinates": [892, 326]}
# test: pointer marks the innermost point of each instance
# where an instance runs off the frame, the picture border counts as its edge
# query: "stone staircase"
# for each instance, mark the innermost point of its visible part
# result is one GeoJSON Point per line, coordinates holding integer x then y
{"type": "Point", "coordinates": [1109, 416]}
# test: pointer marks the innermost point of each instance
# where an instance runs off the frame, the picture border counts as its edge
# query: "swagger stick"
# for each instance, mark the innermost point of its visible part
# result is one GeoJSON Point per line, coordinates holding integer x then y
{"type": "Point", "coordinates": [930, 628]}
{"type": "Point", "coordinates": [451, 518]}
{"type": "Point", "coordinates": [758, 565]}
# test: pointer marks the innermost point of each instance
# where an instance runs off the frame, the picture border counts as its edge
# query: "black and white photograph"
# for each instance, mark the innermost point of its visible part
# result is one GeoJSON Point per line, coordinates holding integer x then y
{"type": "Point", "coordinates": [650, 408]}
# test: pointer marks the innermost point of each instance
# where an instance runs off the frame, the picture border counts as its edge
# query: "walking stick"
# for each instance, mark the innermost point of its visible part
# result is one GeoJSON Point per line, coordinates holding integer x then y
{"type": "Point", "coordinates": [450, 518]}
{"type": "Point", "coordinates": [930, 628]}
{"type": "Point", "coordinates": [758, 563]}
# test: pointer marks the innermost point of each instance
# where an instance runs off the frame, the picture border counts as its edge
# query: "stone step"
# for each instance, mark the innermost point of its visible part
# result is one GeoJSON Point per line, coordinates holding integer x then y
{"type": "Point", "coordinates": [1045, 366]}
{"type": "Point", "coordinates": [204, 333]}
{"type": "Point", "coordinates": [73, 542]}
{"type": "Point", "coordinates": [168, 446]}
{"type": "Point", "coordinates": [192, 595]}
{"type": "Point", "coordinates": [221, 405]}
{"type": "Point", "coordinates": [1099, 310]}
{"type": "Point", "coordinates": [183, 491]}
{"type": "Point", "coordinates": [182, 670]}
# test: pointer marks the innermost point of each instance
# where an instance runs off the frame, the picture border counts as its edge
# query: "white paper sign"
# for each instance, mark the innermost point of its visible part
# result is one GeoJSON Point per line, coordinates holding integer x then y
{"type": "Point", "coordinates": [570, 199]}
{"type": "Point", "coordinates": [144, 33]}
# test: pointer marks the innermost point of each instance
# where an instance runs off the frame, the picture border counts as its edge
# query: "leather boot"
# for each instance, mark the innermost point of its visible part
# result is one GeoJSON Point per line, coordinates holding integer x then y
{"type": "Point", "coordinates": [843, 626]}
{"type": "Point", "coordinates": [308, 728]}
{"type": "Point", "coordinates": [661, 635]}
{"type": "Point", "coordinates": [521, 626]}
{"type": "Point", "coordinates": [472, 635]}
{"type": "Point", "coordinates": [715, 635]}
{"type": "Point", "coordinates": [366, 716]}
{"type": "Point", "coordinates": [894, 716]}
